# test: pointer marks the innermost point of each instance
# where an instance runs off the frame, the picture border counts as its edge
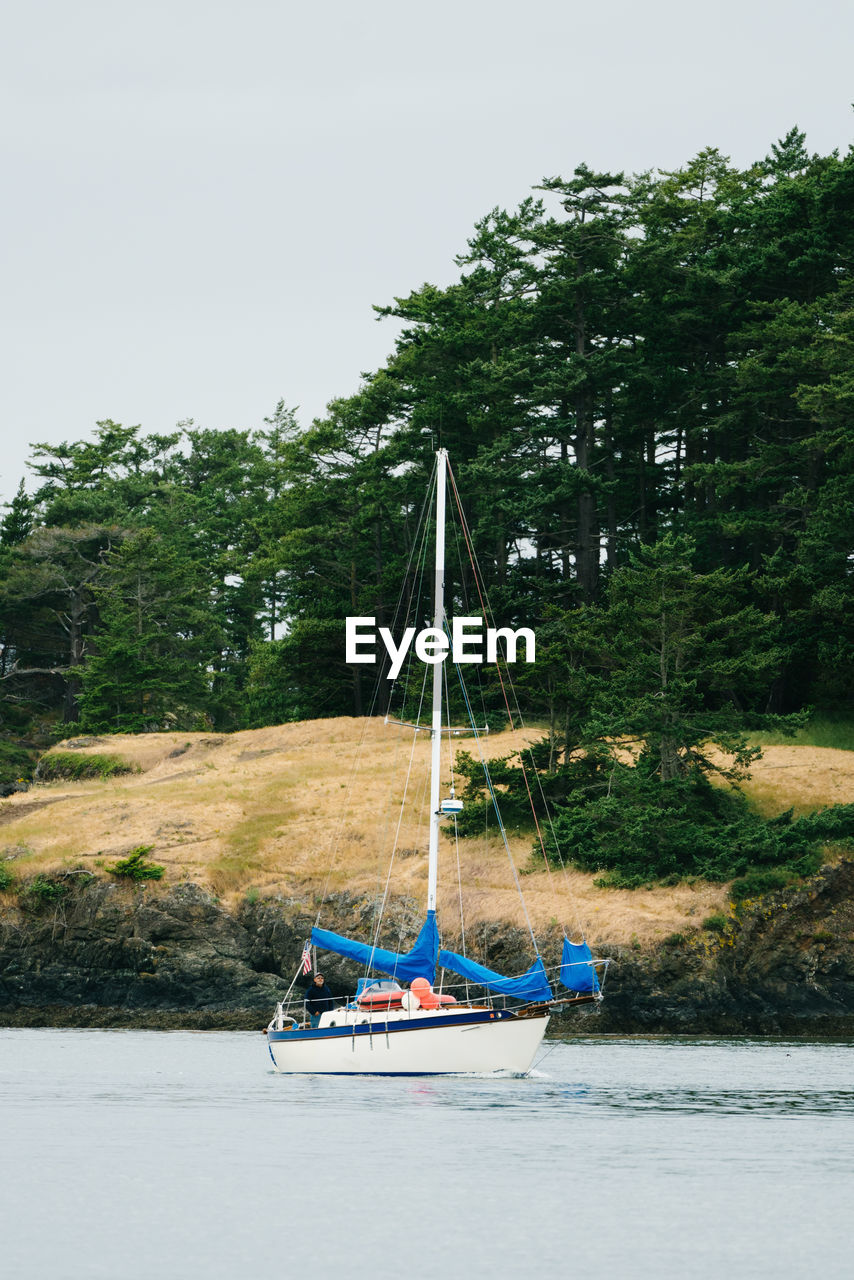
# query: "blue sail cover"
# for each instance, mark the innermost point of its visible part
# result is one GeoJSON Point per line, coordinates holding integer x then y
{"type": "Point", "coordinates": [532, 985]}
{"type": "Point", "coordinates": [577, 971]}
{"type": "Point", "coordinates": [420, 962]}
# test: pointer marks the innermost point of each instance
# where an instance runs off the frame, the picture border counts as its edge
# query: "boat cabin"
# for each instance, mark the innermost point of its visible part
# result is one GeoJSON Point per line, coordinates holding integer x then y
{"type": "Point", "coordinates": [378, 993]}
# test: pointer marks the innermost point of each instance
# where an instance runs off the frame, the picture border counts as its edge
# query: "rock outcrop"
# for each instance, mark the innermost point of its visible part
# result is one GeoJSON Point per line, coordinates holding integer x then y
{"type": "Point", "coordinates": [97, 953]}
{"type": "Point", "coordinates": [780, 965]}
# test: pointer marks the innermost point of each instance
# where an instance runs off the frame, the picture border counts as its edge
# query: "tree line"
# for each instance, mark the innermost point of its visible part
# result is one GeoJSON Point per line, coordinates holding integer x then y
{"type": "Point", "coordinates": [645, 386]}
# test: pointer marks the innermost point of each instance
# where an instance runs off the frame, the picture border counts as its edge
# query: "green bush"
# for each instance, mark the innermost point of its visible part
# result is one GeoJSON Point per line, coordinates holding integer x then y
{"type": "Point", "coordinates": [71, 767]}
{"type": "Point", "coordinates": [548, 790]}
{"type": "Point", "coordinates": [619, 880]}
{"type": "Point", "coordinates": [716, 922]}
{"type": "Point", "coordinates": [16, 763]}
{"type": "Point", "coordinates": [756, 883]}
{"type": "Point", "coordinates": [6, 876]}
{"type": "Point", "coordinates": [135, 866]}
{"type": "Point", "coordinates": [43, 892]}
{"type": "Point", "coordinates": [835, 823]}
{"type": "Point", "coordinates": [636, 828]}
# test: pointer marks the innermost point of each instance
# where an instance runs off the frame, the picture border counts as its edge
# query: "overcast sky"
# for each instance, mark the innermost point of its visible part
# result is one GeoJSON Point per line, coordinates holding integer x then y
{"type": "Point", "coordinates": [203, 199]}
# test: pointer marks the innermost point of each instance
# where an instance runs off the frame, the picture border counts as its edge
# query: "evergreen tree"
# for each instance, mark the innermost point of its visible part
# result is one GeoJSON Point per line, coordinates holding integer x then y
{"type": "Point", "coordinates": [148, 662]}
{"type": "Point", "coordinates": [685, 654]}
{"type": "Point", "coordinates": [17, 525]}
{"type": "Point", "coordinates": [47, 602]}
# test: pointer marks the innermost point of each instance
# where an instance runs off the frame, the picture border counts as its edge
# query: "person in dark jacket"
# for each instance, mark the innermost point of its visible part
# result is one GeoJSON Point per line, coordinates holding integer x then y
{"type": "Point", "coordinates": [318, 999]}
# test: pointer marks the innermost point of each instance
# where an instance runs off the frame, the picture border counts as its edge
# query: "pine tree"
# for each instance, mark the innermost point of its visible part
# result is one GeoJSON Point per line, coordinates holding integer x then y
{"type": "Point", "coordinates": [685, 654]}
{"type": "Point", "coordinates": [148, 662]}
{"type": "Point", "coordinates": [17, 525]}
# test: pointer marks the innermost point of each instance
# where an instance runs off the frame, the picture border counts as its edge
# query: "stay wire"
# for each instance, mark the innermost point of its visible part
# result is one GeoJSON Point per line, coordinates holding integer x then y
{"type": "Point", "coordinates": [490, 618]}
{"type": "Point", "coordinates": [501, 826]}
{"type": "Point", "coordinates": [383, 890]}
{"type": "Point", "coordinates": [397, 831]}
{"type": "Point", "coordinates": [418, 545]}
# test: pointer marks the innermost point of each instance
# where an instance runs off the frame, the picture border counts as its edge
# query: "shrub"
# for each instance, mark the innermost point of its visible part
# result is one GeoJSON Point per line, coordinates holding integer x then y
{"type": "Point", "coordinates": [71, 767]}
{"type": "Point", "coordinates": [135, 866]}
{"type": "Point", "coordinates": [16, 764]}
{"type": "Point", "coordinates": [638, 828]}
{"type": "Point", "coordinates": [716, 922]}
{"type": "Point", "coordinates": [619, 880]}
{"type": "Point", "coordinates": [43, 891]}
{"type": "Point", "coordinates": [834, 823]}
{"type": "Point", "coordinates": [757, 883]}
{"type": "Point", "coordinates": [6, 876]}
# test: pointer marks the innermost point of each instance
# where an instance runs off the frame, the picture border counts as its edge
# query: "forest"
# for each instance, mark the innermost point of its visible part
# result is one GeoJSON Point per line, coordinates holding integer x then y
{"type": "Point", "coordinates": [646, 386]}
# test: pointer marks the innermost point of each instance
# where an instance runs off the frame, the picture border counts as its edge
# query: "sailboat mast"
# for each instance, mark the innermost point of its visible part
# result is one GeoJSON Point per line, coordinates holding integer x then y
{"type": "Point", "coordinates": [436, 723]}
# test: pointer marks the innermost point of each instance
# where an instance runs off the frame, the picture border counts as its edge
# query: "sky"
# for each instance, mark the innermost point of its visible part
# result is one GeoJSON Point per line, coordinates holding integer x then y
{"type": "Point", "coordinates": [203, 200]}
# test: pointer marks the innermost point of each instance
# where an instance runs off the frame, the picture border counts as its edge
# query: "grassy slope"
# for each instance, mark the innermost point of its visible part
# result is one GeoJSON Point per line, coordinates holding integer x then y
{"type": "Point", "coordinates": [297, 809]}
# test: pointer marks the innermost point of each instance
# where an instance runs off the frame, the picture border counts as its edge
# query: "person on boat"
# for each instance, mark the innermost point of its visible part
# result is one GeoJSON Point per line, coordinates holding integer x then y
{"type": "Point", "coordinates": [318, 999]}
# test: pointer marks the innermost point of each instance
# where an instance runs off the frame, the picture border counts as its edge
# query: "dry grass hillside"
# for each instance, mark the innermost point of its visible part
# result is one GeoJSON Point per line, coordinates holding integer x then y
{"type": "Point", "coordinates": [305, 808]}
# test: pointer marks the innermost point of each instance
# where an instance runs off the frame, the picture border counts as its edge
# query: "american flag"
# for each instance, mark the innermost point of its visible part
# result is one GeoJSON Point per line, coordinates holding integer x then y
{"type": "Point", "coordinates": [306, 958]}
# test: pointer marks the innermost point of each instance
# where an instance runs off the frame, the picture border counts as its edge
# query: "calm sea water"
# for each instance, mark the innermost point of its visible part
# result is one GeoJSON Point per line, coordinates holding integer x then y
{"type": "Point", "coordinates": [178, 1154]}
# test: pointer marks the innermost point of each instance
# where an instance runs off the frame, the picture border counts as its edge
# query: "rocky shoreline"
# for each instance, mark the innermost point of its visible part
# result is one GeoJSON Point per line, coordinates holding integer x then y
{"type": "Point", "coordinates": [101, 954]}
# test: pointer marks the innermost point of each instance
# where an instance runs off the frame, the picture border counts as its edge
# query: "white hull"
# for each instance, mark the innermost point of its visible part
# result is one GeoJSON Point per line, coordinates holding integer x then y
{"type": "Point", "coordinates": [504, 1044]}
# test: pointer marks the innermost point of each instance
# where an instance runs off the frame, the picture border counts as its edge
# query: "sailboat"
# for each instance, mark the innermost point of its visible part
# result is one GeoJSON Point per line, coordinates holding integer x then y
{"type": "Point", "coordinates": [389, 1029]}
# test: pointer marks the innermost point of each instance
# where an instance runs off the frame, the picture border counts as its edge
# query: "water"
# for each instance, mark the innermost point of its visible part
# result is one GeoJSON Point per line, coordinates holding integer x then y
{"type": "Point", "coordinates": [179, 1154]}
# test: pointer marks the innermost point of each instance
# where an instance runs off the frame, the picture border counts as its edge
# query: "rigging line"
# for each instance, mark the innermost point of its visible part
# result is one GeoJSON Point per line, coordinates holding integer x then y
{"type": "Point", "coordinates": [498, 814]}
{"type": "Point", "coordinates": [490, 616]}
{"type": "Point", "coordinates": [397, 831]}
{"type": "Point", "coordinates": [418, 554]}
{"type": "Point", "coordinates": [410, 666]}
{"type": "Point", "coordinates": [345, 809]}
{"type": "Point", "coordinates": [285, 997]}
{"type": "Point", "coordinates": [464, 595]}
{"type": "Point", "coordinates": [541, 1059]}
{"type": "Point", "coordinates": [416, 593]}
{"type": "Point", "coordinates": [448, 705]}
{"type": "Point", "coordinates": [421, 528]}
{"type": "Point", "coordinates": [456, 828]}
{"type": "Point", "coordinates": [549, 820]}
{"type": "Point", "coordinates": [383, 888]}
{"type": "Point", "coordinates": [462, 912]}
{"type": "Point", "coordinates": [417, 551]}
{"type": "Point", "coordinates": [460, 888]}
{"type": "Point", "coordinates": [487, 613]}
{"type": "Point", "coordinates": [561, 860]}
{"type": "Point", "coordinates": [421, 549]}
{"type": "Point", "coordinates": [340, 831]}
{"type": "Point", "coordinates": [382, 844]}
{"type": "Point", "coordinates": [418, 543]}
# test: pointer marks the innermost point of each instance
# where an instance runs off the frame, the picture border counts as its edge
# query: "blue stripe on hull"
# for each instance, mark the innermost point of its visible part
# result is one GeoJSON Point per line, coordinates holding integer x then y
{"type": "Point", "coordinates": [390, 1028]}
